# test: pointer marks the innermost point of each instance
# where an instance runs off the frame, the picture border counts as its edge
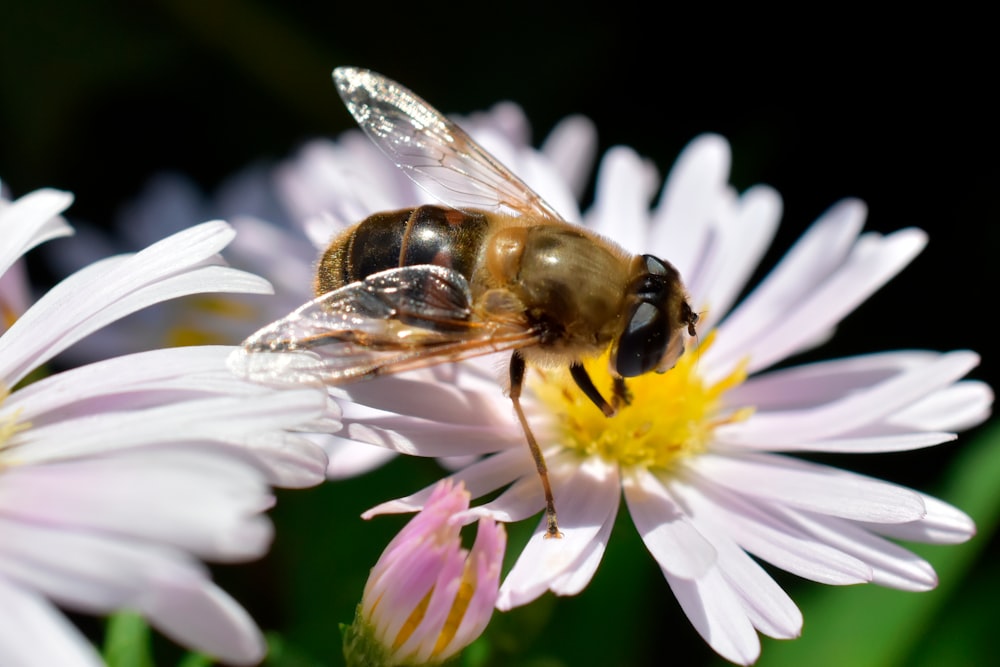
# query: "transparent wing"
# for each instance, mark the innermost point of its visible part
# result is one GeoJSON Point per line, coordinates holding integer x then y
{"type": "Point", "coordinates": [434, 152]}
{"type": "Point", "coordinates": [392, 321]}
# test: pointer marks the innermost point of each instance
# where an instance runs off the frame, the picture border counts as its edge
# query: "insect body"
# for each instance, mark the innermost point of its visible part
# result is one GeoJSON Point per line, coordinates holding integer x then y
{"type": "Point", "coordinates": [496, 269]}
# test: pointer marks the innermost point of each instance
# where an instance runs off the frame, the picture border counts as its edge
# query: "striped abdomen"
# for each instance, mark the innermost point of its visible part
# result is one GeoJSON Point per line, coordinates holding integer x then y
{"type": "Point", "coordinates": [425, 235]}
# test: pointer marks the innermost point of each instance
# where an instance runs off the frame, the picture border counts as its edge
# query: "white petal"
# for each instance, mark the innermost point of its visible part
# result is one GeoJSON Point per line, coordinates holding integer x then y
{"type": "Point", "coordinates": [571, 147]}
{"type": "Point", "coordinates": [289, 460]}
{"type": "Point", "coordinates": [576, 578]}
{"type": "Point", "coordinates": [625, 185]}
{"type": "Point", "coordinates": [944, 524]}
{"type": "Point", "coordinates": [768, 607]}
{"type": "Point", "coordinates": [217, 419]}
{"type": "Point", "coordinates": [106, 572]}
{"type": "Point", "coordinates": [812, 487]}
{"type": "Point", "coordinates": [460, 397]}
{"type": "Point", "coordinates": [112, 288]}
{"type": "Point", "coordinates": [669, 534]}
{"type": "Point", "coordinates": [717, 613]}
{"type": "Point", "coordinates": [955, 408]}
{"type": "Point", "coordinates": [872, 262]}
{"type": "Point", "coordinates": [34, 632]}
{"type": "Point", "coordinates": [419, 437]}
{"type": "Point", "coordinates": [747, 228]}
{"type": "Point", "coordinates": [682, 222]}
{"type": "Point", "coordinates": [347, 458]}
{"type": "Point", "coordinates": [815, 384]}
{"type": "Point", "coordinates": [584, 502]}
{"type": "Point", "coordinates": [200, 499]}
{"type": "Point", "coordinates": [485, 476]}
{"type": "Point", "coordinates": [766, 532]}
{"type": "Point", "coordinates": [201, 616]}
{"type": "Point", "coordinates": [520, 500]}
{"type": "Point", "coordinates": [854, 410]}
{"type": "Point", "coordinates": [30, 220]}
{"type": "Point", "coordinates": [892, 565]}
{"type": "Point", "coordinates": [886, 443]}
{"type": "Point", "coordinates": [134, 380]}
{"type": "Point", "coordinates": [809, 262]}
{"type": "Point", "coordinates": [106, 575]}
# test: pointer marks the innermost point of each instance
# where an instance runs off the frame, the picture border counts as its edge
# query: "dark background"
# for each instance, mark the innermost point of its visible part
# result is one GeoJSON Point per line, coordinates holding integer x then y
{"type": "Point", "coordinates": [96, 97]}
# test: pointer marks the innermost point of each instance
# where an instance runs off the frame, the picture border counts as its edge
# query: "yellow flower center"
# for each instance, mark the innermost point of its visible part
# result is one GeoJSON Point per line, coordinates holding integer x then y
{"type": "Point", "coordinates": [670, 415]}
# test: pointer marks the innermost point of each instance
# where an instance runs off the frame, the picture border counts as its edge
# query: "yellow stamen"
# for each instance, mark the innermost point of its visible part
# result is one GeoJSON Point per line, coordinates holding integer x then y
{"type": "Point", "coordinates": [414, 619]}
{"type": "Point", "coordinates": [671, 415]}
{"type": "Point", "coordinates": [458, 608]}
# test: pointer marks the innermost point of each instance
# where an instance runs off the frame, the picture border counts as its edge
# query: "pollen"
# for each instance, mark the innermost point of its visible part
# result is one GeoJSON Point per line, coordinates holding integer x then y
{"type": "Point", "coordinates": [668, 416]}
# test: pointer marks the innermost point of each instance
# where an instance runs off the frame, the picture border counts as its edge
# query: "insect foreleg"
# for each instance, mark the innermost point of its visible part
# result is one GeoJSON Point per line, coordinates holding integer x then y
{"type": "Point", "coordinates": [517, 368]}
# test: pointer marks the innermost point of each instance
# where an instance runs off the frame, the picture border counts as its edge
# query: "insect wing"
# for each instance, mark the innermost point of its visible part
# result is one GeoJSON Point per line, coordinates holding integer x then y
{"type": "Point", "coordinates": [392, 321]}
{"type": "Point", "coordinates": [433, 151]}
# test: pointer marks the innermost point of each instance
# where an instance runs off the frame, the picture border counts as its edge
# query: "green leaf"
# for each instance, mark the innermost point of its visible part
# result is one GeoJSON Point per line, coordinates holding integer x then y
{"type": "Point", "coordinates": [872, 626]}
{"type": "Point", "coordinates": [195, 660]}
{"type": "Point", "coordinates": [127, 641]}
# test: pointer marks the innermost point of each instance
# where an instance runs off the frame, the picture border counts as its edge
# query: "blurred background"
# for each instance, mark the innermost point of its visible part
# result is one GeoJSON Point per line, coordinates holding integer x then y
{"type": "Point", "coordinates": [98, 97]}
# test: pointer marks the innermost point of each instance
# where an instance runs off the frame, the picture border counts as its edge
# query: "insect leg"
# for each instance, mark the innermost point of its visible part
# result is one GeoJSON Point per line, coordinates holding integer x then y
{"type": "Point", "coordinates": [586, 385]}
{"type": "Point", "coordinates": [622, 395]}
{"type": "Point", "coordinates": [516, 381]}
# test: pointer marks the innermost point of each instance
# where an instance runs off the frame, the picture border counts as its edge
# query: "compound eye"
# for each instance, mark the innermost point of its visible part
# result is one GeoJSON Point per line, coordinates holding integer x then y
{"type": "Point", "coordinates": [643, 343]}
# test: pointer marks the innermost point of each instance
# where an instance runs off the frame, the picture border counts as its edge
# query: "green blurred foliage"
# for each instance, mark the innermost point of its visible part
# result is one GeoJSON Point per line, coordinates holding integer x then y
{"type": "Point", "coordinates": [96, 97]}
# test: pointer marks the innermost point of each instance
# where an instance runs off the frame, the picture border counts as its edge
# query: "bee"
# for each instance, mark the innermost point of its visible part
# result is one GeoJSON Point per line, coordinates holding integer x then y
{"type": "Point", "coordinates": [494, 269]}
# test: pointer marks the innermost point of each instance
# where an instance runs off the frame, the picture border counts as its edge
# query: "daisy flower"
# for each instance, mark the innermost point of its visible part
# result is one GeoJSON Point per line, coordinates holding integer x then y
{"type": "Point", "coordinates": [427, 598]}
{"type": "Point", "coordinates": [703, 454]}
{"type": "Point", "coordinates": [117, 478]}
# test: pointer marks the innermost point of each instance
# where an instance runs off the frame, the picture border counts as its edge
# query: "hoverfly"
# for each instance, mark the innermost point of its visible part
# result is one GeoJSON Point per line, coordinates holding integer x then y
{"type": "Point", "coordinates": [494, 269]}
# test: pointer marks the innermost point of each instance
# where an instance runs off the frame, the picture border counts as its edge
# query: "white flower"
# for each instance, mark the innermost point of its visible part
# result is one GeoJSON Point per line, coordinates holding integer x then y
{"type": "Point", "coordinates": [701, 453]}
{"type": "Point", "coordinates": [117, 477]}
